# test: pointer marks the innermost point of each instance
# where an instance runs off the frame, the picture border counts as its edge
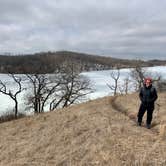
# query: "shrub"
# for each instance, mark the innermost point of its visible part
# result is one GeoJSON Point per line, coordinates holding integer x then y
{"type": "Point", "coordinates": [9, 116]}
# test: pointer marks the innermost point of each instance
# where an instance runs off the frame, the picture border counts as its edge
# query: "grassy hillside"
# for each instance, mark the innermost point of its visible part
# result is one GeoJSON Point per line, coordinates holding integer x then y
{"type": "Point", "coordinates": [47, 62]}
{"type": "Point", "coordinates": [99, 132]}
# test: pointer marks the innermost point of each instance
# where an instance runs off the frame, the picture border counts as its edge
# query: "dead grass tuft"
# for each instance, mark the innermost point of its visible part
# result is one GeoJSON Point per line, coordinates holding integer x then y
{"type": "Point", "coordinates": [9, 116]}
{"type": "Point", "coordinates": [162, 131]}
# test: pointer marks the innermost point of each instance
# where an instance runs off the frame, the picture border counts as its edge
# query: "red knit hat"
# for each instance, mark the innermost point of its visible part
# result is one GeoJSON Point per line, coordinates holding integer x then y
{"type": "Point", "coordinates": [148, 79]}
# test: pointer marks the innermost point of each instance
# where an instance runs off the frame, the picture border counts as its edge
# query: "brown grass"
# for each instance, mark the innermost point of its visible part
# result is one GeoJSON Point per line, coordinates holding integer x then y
{"type": "Point", "coordinates": [92, 133]}
{"type": "Point", "coordinates": [9, 116]}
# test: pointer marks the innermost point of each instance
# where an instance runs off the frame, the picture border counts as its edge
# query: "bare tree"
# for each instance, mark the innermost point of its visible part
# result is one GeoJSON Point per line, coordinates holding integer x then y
{"type": "Point", "coordinates": [115, 75]}
{"type": "Point", "coordinates": [42, 89]}
{"type": "Point", "coordinates": [13, 95]}
{"type": "Point", "coordinates": [124, 88]}
{"type": "Point", "coordinates": [73, 88]}
{"type": "Point", "coordinates": [61, 89]}
{"type": "Point", "coordinates": [138, 75]}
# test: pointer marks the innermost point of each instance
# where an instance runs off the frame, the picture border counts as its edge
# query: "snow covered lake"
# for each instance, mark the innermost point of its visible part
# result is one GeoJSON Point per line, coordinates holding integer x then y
{"type": "Point", "coordinates": [99, 81]}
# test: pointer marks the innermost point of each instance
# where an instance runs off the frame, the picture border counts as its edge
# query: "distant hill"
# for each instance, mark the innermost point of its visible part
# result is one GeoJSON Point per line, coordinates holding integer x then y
{"type": "Point", "coordinates": [99, 132]}
{"type": "Point", "coordinates": [47, 62]}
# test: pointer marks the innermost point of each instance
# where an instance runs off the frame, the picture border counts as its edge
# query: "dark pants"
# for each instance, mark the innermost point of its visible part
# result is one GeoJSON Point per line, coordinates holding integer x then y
{"type": "Point", "coordinates": [143, 108]}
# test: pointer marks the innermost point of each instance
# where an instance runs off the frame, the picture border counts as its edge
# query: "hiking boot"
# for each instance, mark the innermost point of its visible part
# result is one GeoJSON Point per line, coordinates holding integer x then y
{"type": "Point", "coordinates": [148, 126]}
{"type": "Point", "coordinates": [138, 123]}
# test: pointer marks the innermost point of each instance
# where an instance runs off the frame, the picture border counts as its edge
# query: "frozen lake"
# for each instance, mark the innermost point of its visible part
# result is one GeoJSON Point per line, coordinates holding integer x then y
{"type": "Point", "coordinates": [99, 80]}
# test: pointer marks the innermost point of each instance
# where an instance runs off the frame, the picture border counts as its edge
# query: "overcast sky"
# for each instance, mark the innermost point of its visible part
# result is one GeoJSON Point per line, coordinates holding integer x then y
{"type": "Point", "coordinates": [118, 28]}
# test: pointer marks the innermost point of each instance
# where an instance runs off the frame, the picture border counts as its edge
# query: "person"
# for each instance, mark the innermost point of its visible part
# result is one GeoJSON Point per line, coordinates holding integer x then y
{"type": "Point", "coordinates": [148, 96]}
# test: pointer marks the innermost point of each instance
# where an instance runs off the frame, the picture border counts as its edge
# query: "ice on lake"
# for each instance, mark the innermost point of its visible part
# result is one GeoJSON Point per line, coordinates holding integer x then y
{"type": "Point", "coordinates": [99, 81]}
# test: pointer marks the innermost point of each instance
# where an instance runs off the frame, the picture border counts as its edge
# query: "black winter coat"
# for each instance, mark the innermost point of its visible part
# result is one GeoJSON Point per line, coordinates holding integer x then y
{"type": "Point", "coordinates": [148, 95]}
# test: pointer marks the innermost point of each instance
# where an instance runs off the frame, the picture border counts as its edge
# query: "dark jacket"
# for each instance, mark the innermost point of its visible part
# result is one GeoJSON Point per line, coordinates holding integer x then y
{"type": "Point", "coordinates": [148, 95]}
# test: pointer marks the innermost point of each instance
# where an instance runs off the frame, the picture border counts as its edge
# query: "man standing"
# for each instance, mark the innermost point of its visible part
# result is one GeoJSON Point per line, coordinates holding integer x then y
{"type": "Point", "coordinates": [148, 96]}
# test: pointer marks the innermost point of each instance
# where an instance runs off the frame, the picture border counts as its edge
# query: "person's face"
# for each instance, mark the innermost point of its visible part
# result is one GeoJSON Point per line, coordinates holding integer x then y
{"type": "Point", "coordinates": [148, 83]}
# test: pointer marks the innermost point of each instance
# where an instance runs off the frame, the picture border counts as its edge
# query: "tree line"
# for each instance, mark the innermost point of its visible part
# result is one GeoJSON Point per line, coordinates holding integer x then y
{"type": "Point", "coordinates": [47, 62]}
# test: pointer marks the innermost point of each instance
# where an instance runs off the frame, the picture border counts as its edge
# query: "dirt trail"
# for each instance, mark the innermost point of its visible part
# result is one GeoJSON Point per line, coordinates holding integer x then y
{"type": "Point", "coordinates": [155, 131]}
{"type": "Point", "coordinates": [124, 111]}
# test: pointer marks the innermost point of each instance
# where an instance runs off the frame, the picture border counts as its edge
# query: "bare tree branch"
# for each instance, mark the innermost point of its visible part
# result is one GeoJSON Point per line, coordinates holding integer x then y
{"type": "Point", "coordinates": [115, 75]}
{"type": "Point", "coordinates": [12, 95]}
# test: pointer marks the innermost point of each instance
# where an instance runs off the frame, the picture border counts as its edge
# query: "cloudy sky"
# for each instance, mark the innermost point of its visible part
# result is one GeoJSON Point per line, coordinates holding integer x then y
{"type": "Point", "coordinates": [118, 28]}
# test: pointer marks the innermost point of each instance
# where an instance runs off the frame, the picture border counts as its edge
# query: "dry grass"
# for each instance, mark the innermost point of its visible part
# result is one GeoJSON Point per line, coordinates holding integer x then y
{"type": "Point", "coordinates": [93, 133]}
{"type": "Point", "coordinates": [9, 116]}
{"type": "Point", "coordinates": [131, 105]}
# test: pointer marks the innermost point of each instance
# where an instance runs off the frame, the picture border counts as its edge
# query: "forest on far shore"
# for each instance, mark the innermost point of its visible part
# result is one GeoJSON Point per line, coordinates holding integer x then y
{"type": "Point", "coordinates": [47, 62]}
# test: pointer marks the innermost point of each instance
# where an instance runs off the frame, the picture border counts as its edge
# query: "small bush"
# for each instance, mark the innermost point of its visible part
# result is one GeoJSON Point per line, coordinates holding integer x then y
{"type": "Point", "coordinates": [161, 86]}
{"type": "Point", "coordinates": [8, 116]}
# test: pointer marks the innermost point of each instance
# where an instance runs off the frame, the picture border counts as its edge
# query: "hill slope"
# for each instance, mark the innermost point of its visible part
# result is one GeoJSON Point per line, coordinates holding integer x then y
{"type": "Point", "coordinates": [98, 132]}
{"type": "Point", "coordinates": [47, 62]}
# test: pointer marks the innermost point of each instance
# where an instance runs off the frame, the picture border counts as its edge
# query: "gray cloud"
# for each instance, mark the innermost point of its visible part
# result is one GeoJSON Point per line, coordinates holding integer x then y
{"type": "Point", "coordinates": [123, 28]}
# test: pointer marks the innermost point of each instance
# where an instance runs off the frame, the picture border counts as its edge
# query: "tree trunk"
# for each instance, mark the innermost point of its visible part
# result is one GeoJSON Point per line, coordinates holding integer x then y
{"type": "Point", "coordinates": [16, 108]}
